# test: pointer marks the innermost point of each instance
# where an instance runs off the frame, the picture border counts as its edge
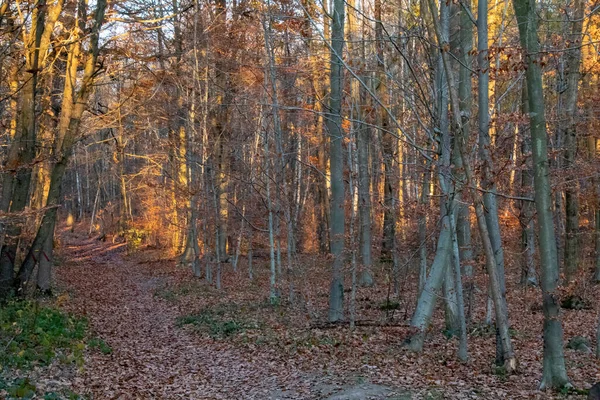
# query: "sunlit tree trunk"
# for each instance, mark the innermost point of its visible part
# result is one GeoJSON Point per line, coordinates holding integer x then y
{"type": "Point", "coordinates": [16, 184]}
{"type": "Point", "coordinates": [65, 141]}
{"type": "Point", "coordinates": [555, 373]}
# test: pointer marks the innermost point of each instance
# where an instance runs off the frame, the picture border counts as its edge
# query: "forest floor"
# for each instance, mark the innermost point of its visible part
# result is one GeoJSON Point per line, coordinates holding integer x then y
{"type": "Point", "coordinates": [175, 336]}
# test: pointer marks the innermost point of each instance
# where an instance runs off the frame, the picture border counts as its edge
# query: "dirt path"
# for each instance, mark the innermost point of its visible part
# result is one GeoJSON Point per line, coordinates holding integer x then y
{"type": "Point", "coordinates": [151, 357]}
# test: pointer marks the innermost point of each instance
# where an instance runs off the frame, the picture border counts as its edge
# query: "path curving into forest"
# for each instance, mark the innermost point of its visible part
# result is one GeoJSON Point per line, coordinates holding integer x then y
{"type": "Point", "coordinates": [154, 359]}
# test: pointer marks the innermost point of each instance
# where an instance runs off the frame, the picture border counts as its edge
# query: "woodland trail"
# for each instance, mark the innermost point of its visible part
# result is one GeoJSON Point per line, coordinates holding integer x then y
{"type": "Point", "coordinates": [154, 359]}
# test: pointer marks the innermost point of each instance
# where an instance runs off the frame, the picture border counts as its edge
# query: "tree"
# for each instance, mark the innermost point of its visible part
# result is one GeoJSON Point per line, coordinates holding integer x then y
{"type": "Point", "coordinates": [71, 114]}
{"type": "Point", "coordinates": [555, 373]}
{"type": "Point", "coordinates": [336, 135]}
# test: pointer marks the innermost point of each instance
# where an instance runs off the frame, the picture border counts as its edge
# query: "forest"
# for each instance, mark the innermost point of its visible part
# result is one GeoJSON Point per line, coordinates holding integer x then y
{"type": "Point", "coordinates": [300, 199]}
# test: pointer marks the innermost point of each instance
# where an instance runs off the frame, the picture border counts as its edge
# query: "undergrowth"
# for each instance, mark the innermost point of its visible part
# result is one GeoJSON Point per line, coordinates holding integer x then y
{"type": "Point", "coordinates": [217, 323]}
{"type": "Point", "coordinates": [33, 335]}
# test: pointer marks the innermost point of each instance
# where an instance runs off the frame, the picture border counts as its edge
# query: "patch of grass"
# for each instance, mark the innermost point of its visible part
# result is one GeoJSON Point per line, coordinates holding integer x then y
{"type": "Point", "coordinates": [215, 322]}
{"type": "Point", "coordinates": [389, 305]}
{"type": "Point", "coordinates": [569, 390]}
{"type": "Point", "coordinates": [500, 372]}
{"type": "Point", "coordinates": [171, 294]}
{"type": "Point", "coordinates": [99, 344]}
{"type": "Point", "coordinates": [32, 334]}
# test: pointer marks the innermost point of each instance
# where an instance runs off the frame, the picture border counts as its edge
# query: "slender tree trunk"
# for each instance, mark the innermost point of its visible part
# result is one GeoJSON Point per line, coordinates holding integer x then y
{"type": "Point", "coordinates": [463, 354]}
{"type": "Point", "coordinates": [463, 218]}
{"type": "Point", "coordinates": [280, 162]}
{"type": "Point", "coordinates": [387, 144]}
{"type": "Point", "coordinates": [422, 223]}
{"type": "Point", "coordinates": [510, 362]}
{"type": "Point", "coordinates": [555, 373]}
{"type": "Point", "coordinates": [336, 136]}
{"type": "Point", "coordinates": [569, 124]}
{"type": "Point", "coordinates": [598, 339]}
{"type": "Point", "coordinates": [528, 274]}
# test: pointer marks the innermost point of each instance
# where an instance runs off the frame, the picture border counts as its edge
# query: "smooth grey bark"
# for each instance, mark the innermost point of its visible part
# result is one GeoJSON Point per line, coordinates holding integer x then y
{"type": "Point", "coordinates": [463, 219]}
{"type": "Point", "coordinates": [191, 254]}
{"type": "Point", "coordinates": [439, 268]}
{"type": "Point", "coordinates": [526, 212]}
{"type": "Point", "coordinates": [490, 199]}
{"type": "Point", "coordinates": [430, 293]}
{"type": "Point", "coordinates": [441, 91]}
{"type": "Point", "coordinates": [422, 224]}
{"type": "Point", "coordinates": [387, 144]}
{"type": "Point", "coordinates": [336, 135]}
{"type": "Point", "coordinates": [554, 371]}
{"type": "Point", "coordinates": [502, 323]}
{"type": "Point", "coordinates": [569, 133]}
{"type": "Point", "coordinates": [463, 353]}
{"type": "Point", "coordinates": [352, 167]}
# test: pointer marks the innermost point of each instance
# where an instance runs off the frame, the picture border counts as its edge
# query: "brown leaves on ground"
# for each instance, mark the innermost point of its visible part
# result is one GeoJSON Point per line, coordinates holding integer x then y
{"type": "Point", "coordinates": [174, 336]}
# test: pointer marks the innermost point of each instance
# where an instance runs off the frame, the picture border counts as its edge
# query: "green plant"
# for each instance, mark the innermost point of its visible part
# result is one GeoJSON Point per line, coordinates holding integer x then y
{"type": "Point", "coordinates": [31, 334]}
{"type": "Point", "coordinates": [135, 238]}
{"type": "Point", "coordinates": [20, 389]}
{"type": "Point", "coordinates": [389, 305]}
{"type": "Point", "coordinates": [99, 344]}
{"type": "Point", "coordinates": [214, 322]}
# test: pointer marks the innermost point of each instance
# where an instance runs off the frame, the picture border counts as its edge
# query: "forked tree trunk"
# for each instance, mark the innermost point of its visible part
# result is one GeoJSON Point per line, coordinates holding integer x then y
{"type": "Point", "coordinates": [510, 362]}
{"type": "Point", "coordinates": [430, 293]}
{"type": "Point", "coordinates": [555, 373]}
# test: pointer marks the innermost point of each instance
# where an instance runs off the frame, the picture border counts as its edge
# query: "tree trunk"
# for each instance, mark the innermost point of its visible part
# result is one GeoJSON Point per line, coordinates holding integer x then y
{"type": "Point", "coordinates": [67, 139]}
{"type": "Point", "coordinates": [555, 373]}
{"type": "Point", "coordinates": [526, 214]}
{"type": "Point", "coordinates": [336, 136]}
{"type": "Point", "coordinates": [463, 218]}
{"type": "Point", "coordinates": [44, 277]}
{"type": "Point", "coordinates": [573, 55]}
{"type": "Point", "coordinates": [387, 144]}
{"type": "Point", "coordinates": [510, 362]}
{"type": "Point", "coordinates": [429, 295]}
